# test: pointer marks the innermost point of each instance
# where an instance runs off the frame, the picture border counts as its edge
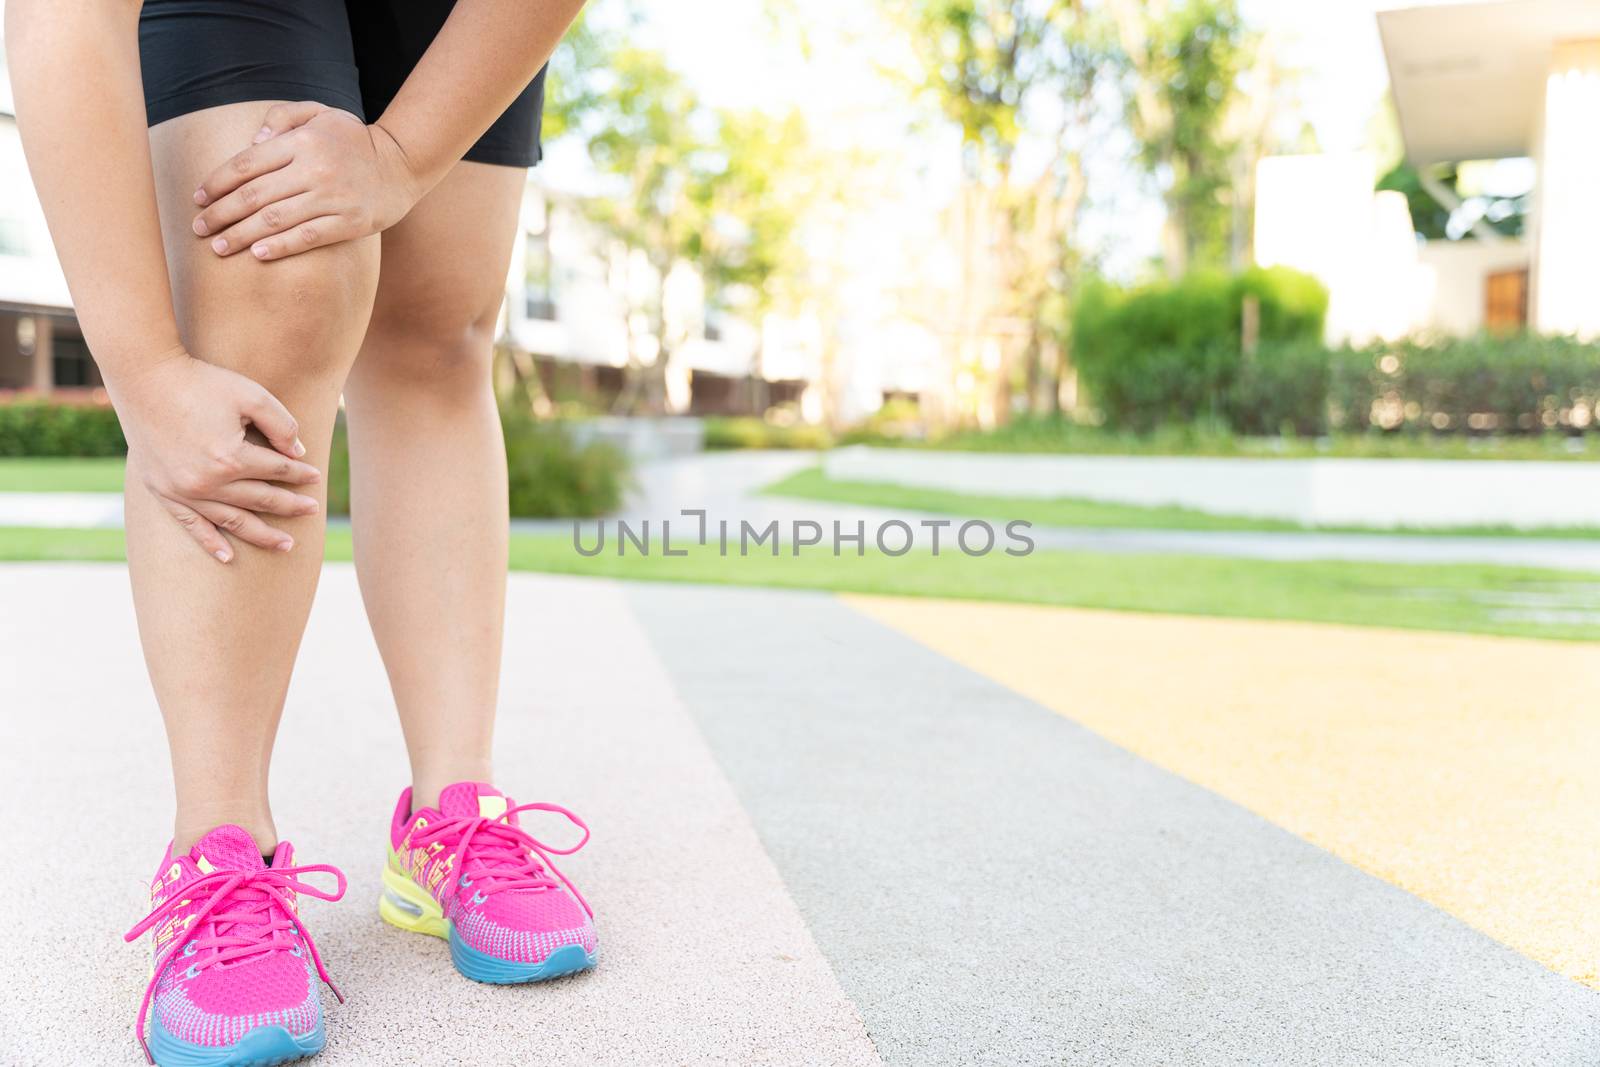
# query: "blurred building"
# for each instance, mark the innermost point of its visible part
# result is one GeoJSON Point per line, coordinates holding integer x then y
{"type": "Point", "coordinates": [1319, 214]}
{"type": "Point", "coordinates": [1516, 79]}
{"type": "Point", "coordinates": [568, 295]}
{"type": "Point", "coordinates": [1498, 80]}
{"type": "Point", "coordinates": [573, 308]}
{"type": "Point", "coordinates": [41, 347]}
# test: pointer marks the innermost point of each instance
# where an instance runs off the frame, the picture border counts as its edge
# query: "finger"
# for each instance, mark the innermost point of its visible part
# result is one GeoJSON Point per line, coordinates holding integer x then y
{"type": "Point", "coordinates": [199, 528]}
{"type": "Point", "coordinates": [249, 198]}
{"type": "Point", "coordinates": [281, 118]}
{"type": "Point", "coordinates": [244, 525]}
{"type": "Point", "coordinates": [313, 233]}
{"type": "Point", "coordinates": [267, 414]}
{"type": "Point", "coordinates": [253, 162]}
{"type": "Point", "coordinates": [264, 498]}
{"type": "Point", "coordinates": [273, 219]}
{"type": "Point", "coordinates": [263, 464]}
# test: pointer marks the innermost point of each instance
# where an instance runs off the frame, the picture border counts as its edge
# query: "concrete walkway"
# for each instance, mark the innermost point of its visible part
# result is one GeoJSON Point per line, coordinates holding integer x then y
{"type": "Point", "coordinates": [825, 834]}
{"type": "Point", "coordinates": [726, 485]}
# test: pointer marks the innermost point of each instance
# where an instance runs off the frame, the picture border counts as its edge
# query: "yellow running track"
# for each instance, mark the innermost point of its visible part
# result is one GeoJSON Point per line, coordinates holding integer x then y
{"type": "Point", "coordinates": [1463, 769]}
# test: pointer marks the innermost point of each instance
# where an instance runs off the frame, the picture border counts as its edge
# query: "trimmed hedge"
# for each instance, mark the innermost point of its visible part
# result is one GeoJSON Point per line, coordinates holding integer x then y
{"type": "Point", "coordinates": [749, 431]}
{"type": "Point", "coordinates": [1171, 354]}
{"type": "Point", "coordinates": [37, 427]}
{"type": "Point", "coordinates": [549, 476]}
{"type": "Point", "coordinates": [1283, 388]}
{"type": "Point", "coordinates": [1519, 384]}
{"type": "Point", "coordinates": [1172, 351]}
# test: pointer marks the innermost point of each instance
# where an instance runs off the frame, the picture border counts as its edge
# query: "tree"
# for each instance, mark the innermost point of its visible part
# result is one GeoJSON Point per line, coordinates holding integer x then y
{"type": "Point", "coordinates": [571, 92]}
{"type": "Point", "coordinates": [756, 204]}
{"type": "Point", "coordinates": [1010, 73]}
{"type": "Point", "coordinates": [647, 136]}
{"type": "Point", "coordinates": [687, 184]}
{"type": "Point", "coordinates": [1185, 60]}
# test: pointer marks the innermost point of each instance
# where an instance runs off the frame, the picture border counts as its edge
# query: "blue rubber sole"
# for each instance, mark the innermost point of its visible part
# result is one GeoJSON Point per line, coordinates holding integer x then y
{"type": "Point", "coordinates": [481, 967]}
{"type": "Point", "coordinates": [261, 1047]}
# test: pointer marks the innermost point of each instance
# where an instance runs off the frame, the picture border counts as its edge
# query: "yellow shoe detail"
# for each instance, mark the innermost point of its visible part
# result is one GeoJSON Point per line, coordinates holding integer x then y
{"type": "Point", "coordinates": [491, 807]}
{"type": "Point", "coordinates": [407, 905]}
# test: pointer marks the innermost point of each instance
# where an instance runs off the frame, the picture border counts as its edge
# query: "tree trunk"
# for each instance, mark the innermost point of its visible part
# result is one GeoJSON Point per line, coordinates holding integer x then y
{"type": "Point", "coordinates": [644, 385]}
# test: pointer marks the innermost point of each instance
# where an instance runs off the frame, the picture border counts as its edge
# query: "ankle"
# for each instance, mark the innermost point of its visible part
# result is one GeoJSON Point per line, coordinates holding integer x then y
{"type": "Point", "coordinates": [428, 782]}
{"type": "Point", "coordinates": [189, 829]}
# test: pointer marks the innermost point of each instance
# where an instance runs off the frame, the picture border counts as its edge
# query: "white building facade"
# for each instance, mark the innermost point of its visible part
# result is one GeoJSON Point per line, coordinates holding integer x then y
{"type": "Point", "coordinates": [1507, 80]}
{"type": "Point", "coordinates": [575, 297]}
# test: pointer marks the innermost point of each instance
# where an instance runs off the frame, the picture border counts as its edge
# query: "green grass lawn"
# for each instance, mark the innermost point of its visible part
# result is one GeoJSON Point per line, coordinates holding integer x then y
{"type": "Point", "coordinates": [813, 484]}
{"type": "Point", "coordinates": [1467, 598]}
{"type": "Point", "coordinates": [61, 475]}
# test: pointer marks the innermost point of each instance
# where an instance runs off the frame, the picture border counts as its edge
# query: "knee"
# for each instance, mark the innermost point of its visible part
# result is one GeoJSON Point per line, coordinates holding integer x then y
{"type": "Point", "coordinates": [292, 320]}
{"type": "Point", "coordinates": [318, 304]}
{"type": "Point", "coordinates": [443, 342]}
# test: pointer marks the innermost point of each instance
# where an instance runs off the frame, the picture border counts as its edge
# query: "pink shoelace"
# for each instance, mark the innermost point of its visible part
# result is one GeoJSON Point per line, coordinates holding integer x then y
{"type": "Point", "coordinates": [257, 917]}
{"type": "Point", "coordinates": [493, 855]}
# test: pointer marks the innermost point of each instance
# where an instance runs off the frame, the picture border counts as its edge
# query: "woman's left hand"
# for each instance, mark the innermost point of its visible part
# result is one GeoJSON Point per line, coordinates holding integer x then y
{"type": "Point", "coordinates": [315, 176]}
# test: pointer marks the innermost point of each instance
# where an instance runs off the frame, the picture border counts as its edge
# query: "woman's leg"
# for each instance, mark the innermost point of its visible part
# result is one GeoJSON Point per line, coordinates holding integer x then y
{"type": "Point", "coordinates": [428, 470]}
{"type": "Point", "coordinates": [220, 641]}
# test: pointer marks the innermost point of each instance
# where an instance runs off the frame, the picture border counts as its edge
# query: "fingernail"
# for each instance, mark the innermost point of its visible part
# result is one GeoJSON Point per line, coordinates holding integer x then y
{"type": "Point", "coordinates": [201, 198]}
{"type": "Point", "coordinates": [223, 554]}
{"type": "Point", "coordinates": [299, 448]}
{"type": "Point", "coordinates": [260, 249]}
{"type": "Point", "coordinates": [313, 508]}
{"type": "Point", "coordinates": [284, 546]}
{"type": "Point", "coordinates": [220, 245]}
{"type": "Point", "coordinates": [200, 227]}
{"type": "Point", "coordinates": [262, 134]}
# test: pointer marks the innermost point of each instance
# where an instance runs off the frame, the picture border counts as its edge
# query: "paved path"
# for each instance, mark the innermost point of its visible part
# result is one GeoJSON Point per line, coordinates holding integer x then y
{"type": "Point", "coordinates": [726, 485]}
{"type": "Point", "coordinates": [853, 830]}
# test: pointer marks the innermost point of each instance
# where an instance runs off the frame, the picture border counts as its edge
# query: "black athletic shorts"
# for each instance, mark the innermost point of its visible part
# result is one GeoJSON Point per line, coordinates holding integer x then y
{"type": "Point", "coordinates": [350, 54]}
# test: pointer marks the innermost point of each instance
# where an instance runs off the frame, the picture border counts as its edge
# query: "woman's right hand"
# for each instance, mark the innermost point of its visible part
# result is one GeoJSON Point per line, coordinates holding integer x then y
{"type": "Point", "coordinates": [186, 423]}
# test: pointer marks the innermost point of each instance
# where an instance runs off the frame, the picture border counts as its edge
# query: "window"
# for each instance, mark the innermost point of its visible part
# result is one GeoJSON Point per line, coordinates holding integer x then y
{"type": "Point", "coordinates": [539, 278]}
{"type": "Point", "coordinates": [70, 364]}
{"type": "Point", "coordinates": [13, 238]}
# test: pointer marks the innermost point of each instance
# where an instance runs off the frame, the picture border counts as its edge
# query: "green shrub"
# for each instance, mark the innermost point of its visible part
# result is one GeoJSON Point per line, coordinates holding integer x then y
{"type": "Point", "coordinates": [1518, 384]}
{"type": "Point", "coordinates": [339, 471]}
{"type": "Point", "coordinates": [551, 476]}
{"type": "Point", "coordinates": [1354, 381]}
{"type": "Point", "coordinates": [1294, 306]}
{"type": "Point", "coordinates": [548, 474]}
{"type": "Point", "coordinates": [1172, 351]}
{"type": "Point", "coordinates": [748, 431]}
{"type": "Point", "coordinates": [899, 420]}
{"type": "Point", "coordinates": [1061, 433]}
{"type": "Point", "coordinates": [1282, 388]}
{"type": "Point", "coordinates": [35, 427]}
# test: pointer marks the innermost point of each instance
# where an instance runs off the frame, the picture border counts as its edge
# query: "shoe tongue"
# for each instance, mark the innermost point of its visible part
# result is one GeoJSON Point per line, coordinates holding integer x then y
{"type": "Point", "coordinates": [472, 799]}
{"type": "Point", "coordinates": [227, 848]}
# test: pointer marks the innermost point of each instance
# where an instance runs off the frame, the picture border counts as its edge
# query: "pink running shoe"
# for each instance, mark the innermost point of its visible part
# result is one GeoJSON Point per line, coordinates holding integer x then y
{"type": "Point", "coordinates": [467, 872]}
{"type": "Point", "coordinates": [232, 983]}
